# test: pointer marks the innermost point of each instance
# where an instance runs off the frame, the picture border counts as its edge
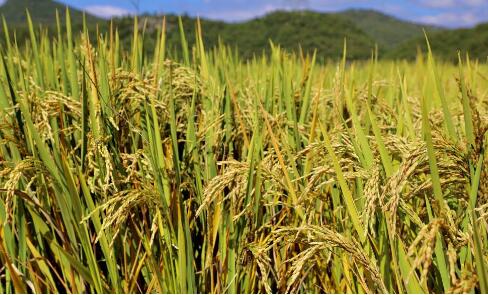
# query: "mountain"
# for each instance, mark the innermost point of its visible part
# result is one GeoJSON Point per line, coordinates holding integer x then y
{"type": "Point", "coordinates": [292, 30]}
{"type": "Point", "coordinates": [41, 11]}
{"type": "Point", "coordinates": [447, 43]}
{"type": "Point", "coordinates": [304, 29]}
{"type": "Point", "coordinates": [388, 31]}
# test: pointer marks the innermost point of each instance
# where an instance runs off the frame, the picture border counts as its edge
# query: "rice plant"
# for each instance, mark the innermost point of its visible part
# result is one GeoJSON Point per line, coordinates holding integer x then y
{"type": "Point", "coordinates": [194, 171]}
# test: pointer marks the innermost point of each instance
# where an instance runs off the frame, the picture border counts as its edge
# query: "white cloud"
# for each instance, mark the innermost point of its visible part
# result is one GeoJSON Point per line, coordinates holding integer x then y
{"type": "Point", "coordinates": [476, 2]}
{"type": "Point", "coordinates": [438, 3]}
{"type": "Point", "coordinates": [451, 19]}
{"type": "Point", "coordinates": [239, 10]}
{"type": "Point", "coordinates": [107, 11]}
{"type": "Point", "coordinates": [453, 13]}
{"type": "Point", "coordinates": [297, 4]}
{"type": "Point", "coordinates": [452, 3]}
{"type": "Point", "coordinates": [240, 15]}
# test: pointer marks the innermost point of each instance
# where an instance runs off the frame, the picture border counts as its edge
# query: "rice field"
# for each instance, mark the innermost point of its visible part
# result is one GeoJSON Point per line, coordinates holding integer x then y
{"type": "Point", "coordinates": [193, 171]}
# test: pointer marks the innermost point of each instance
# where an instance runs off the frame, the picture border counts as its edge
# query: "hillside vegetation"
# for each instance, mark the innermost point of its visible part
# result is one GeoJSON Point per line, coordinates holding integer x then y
{"type": "Point", "coordinates": [387, 31]}
{"type": "Point", "coordinates": [324, 32]}
{"type": "Point", "coordinates": [41, 11]}
{"type": "Point", "coordinates": [307, 31]}
{"type": "Point", "coordinates": [447, 43]}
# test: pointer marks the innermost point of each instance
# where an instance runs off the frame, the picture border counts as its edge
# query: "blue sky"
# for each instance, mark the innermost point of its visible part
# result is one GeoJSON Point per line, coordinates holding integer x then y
{"type": "Point", "coordinates": [449, 13]}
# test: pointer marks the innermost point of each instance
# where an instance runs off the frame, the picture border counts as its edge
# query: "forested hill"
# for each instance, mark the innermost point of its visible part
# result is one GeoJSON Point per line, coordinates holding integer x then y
{"type": "Point", "coordinates": [447, 43]}
{"type": "Point", "coordinates": [292, 30]}
{"type": "Point", "coordinates": [386, 30]}
{"type": "Point", "coordinates": [295, 31]}
{"type": "Point", "coordinates": [41, 11]}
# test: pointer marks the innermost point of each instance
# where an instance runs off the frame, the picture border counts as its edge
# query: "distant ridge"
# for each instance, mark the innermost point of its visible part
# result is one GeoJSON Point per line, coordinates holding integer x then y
{"type": "Point", "coordinates": [303, 29]}
{"type": "Point", "coordinates": [41, 11]}
{"type": "Point", "coordinates": [293, 30]}
{"type": "Point", "coordinates": [447, 43]}
{"type": "Point", "coordinates": [387, 30]}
